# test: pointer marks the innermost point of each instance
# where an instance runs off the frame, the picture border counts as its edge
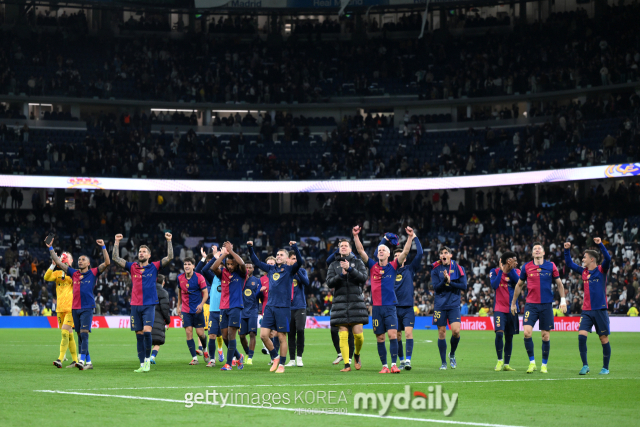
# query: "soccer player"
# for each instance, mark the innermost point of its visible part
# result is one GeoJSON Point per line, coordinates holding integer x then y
{"type": "Point", "coordinates": [84, 280]}
{"type": "Point", "coordinates": [594, 306]}
{"type": "Point", "coordinates": [502, 281]}
{"type": "Point", "coordinates": [278, 308]}
{"type": "Point", "coordinates": [144, 296]}
{"type": "Point", "coordinates": [382, 275]}
{"type": "Point", "coordinates": [64, 295]}
{"type": "Point", "coordinates": [263, 297]}
{"type": "Point", "coordinates": [161, 318]}
{"type": "Point", "coordinates": [249, 317]}
{"type": "Point", "coordinates": [213, 317]}
{"type": "Point", "coordinates": [192, 293]}
{"type": "Point", "coordinates": [539, 275]}
{"type": "Point", "coordinates": [298, 313]}
{"type": "Point", "coordinates": [347, 275]}
{"type": "Point", "coordinates": [232, 277]}
{"type": "Point", "coordinates": [448, 279]}
{"type": "Point", "coordinates": [404, 293]}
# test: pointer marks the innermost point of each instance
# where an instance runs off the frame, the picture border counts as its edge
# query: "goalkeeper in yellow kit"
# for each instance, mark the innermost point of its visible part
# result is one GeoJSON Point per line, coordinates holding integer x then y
{"type": "Point", "coordinates": [64, 295]}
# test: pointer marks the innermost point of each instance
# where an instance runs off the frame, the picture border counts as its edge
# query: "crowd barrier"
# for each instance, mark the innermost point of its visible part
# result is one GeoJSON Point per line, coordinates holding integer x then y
{"type": "Point", "coordinates": [468, 323]}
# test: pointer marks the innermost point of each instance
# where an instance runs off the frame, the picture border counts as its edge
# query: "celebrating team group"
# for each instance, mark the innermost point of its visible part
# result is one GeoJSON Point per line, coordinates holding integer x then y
{"type": "Point", "coordinates": [221, 299]}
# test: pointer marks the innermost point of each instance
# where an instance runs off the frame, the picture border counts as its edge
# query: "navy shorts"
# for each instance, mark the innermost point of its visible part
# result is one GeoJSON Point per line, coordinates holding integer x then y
{"type": "Point", "coordinates": [141, 316]}
{"type": "Point", "coordinates": [249, 324]}
{"type": "Point", "coordinates": [384, 318]}
{"type": "Point", "coordinates": [506, 322]}
{"type": "Point", "coordinates": [597, 318]}
{"type": "Point", "coordinates": [406, 317]}
{"type": "Point", "coordinates": [539, 312]}
{"type": "Point", "coordinates": [230, 317]}
{"type": "Point", "coordinates": [214, 323]}
{"type": "Point", "coordinates": [276, 318]}
{"type": "Point", "coordinates": [195, 320]}
{"type": "Point", "coordinates": [82, 319]}
{"type": "Point", "coordinates": [440, 317]}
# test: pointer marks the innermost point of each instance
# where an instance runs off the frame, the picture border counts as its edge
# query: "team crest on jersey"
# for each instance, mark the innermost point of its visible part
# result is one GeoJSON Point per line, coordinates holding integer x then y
{"type": "Point", "coordinates": [276, 276]}
{"type": "Point", "coordinates": [398, 277]}
{"type": "Point", "coordinates": [539, 270]}
{"type": "Point", "coordinates": [247, 292]}
{"type": "Point", "coordinates": [295, 282]}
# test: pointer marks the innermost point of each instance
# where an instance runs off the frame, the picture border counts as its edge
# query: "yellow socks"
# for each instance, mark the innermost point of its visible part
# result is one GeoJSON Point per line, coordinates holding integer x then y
{"type": "Point", "coordinates": [358, 341]}
{"type": "Point", "coordinates": [64, 344]}
{"type": "Point", "coordinates": [219, 341]}
{"type": "Point", "coordinates": [344, 346]}
{"type": "Point", "coordinates": [72, 347]}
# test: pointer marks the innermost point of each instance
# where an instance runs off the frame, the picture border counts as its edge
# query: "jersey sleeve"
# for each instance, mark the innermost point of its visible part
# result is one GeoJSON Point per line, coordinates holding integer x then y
{"type": "Point", "coordinates": [127, 266]}
{"type": "Point", "coordinates": [371, 263]}
{"type": "Point", "coordinates": [201, 282]}
{"type": "Point", "coordinates": [554, 270]}
{"type": "Point", "coordinates": [158, 264]}
{"type": "Point", "coordinates": [71, 271]}
{"type": "Point", "coordinates": [394, 264]}
{"type": "Point", "coordinates": [95, 271]}
{"type": "Point", "coordinates": [523, 273]}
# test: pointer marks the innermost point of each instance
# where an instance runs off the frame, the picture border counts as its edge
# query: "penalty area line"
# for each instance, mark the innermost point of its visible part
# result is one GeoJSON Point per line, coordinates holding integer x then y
{"type": "Point", "coordinates": [352, 384]}
{"type": "Point", "coordinates": [390, 417]}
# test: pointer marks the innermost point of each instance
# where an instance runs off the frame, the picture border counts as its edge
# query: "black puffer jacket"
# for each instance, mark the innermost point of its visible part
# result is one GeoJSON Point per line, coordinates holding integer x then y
{"type": "Point", "coordinates": [348, 302]}
{"type": "Point", "coordinates": [162, 318]}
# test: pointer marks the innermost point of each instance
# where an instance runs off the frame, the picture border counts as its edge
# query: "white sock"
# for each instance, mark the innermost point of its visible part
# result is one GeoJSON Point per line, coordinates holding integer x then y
{"type": "Point", "coordinates": [195, 357]}
{"type": "Point", "coordinates": [393, 364]}
{"type": "Point", "coordinates": [385, 366]}
{"type": "Point", "coordinates": [146, 359]}
{"type": "Point", "coordinates": [499, 360]}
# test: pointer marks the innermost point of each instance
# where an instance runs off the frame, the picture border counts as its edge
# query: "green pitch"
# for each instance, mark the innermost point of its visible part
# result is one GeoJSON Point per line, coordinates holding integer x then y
{"type": "Point", "coordinates": [112, 394]}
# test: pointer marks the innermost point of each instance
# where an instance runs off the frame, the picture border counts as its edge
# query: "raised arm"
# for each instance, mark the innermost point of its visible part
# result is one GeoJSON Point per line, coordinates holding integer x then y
{"type": "Point", "coordinates": [568, 261]}
{"type": "Point", "coordinates": [416, 264]}
{"type": "Point", "coordinates": [216, 265]}
{"type": "Point", "coordinates": [296, 267]}
{"type": "Point", "coordinates": [166, 260]}
{"type": "Point", "coordinates": [605, 254]}
{"type": "Point", "coordinates": [359, 247]}
{"type": "Point", "coordinates": [254, 258]}
{"type": "Point", "coordinates": [55, 258]}
{"type": "Point", "coordinates": [242, 269]}
{"type": "Point", "coordinates": [115, 254]}
{"type": "Point", "coordinates": [496, 278]}
{"type": "Point", "coordinates": [407, 245]}
{"type": "Point", "coordinates": [105, 254]}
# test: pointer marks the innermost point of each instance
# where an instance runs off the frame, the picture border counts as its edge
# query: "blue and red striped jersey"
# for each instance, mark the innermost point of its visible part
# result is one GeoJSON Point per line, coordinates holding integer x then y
{"type": "Point", "coordinates": [504, 285]}
{"type": "Point", "coordinates": [191, 291]}
{"type": "Point", "coordinates": [83, 284]}
{"type": "Point", "coordinates": [539, 279]}
{"type": "Point", "coordinates": [383, 281]}
{"type": "Point", "coordinates": [143, 282]}
{"type": "Point", "coordinates": [595, 281]}
{"type": "Point", "coordinates": [231, 291]}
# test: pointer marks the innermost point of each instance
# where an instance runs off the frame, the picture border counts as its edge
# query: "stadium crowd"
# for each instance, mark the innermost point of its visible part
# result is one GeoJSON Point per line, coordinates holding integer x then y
{"type": "Point", "coordinates": [567, 51]}
{"type": "Point", "coordinates": [478, 240]}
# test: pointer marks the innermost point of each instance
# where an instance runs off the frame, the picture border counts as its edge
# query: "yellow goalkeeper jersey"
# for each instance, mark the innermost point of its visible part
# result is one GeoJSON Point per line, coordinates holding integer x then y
{"type": "Point", "coordinates": [64, 289]}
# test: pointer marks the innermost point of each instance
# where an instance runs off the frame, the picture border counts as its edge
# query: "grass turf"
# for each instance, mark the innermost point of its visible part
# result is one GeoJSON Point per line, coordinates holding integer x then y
{"type": "Point", "coordinates": [484, 396]}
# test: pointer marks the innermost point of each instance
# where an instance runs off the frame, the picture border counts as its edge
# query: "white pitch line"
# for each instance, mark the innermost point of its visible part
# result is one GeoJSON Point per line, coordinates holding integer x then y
{"type": "Point", "coordinates": [425, 420]}
{"type": "Point", "coordinates": [353, 384]}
